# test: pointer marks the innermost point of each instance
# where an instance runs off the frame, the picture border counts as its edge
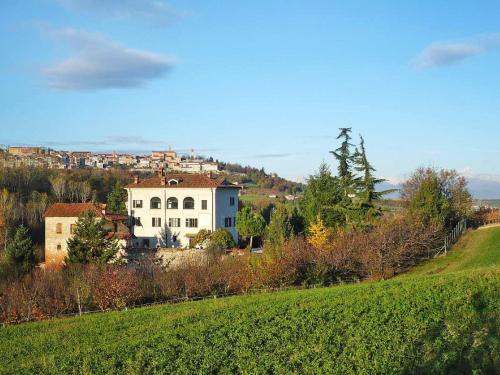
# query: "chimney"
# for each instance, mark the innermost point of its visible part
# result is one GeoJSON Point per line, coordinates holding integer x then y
{"type": "Point", "coordinates": [161, 172]}
{"type": "Point", "coordinates": [136, 179]}
{"type": "Point", "coordinates": [163, 180]}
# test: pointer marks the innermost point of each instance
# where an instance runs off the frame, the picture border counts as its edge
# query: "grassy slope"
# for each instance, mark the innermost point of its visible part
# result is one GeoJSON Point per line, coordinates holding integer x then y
{"type": "Point", "coordinates": [478, 249]}
{"type": "Point", "coordinates": [447, 322]}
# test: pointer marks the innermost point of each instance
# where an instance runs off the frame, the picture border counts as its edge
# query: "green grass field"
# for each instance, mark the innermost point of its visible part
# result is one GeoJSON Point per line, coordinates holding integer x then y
{"type": "Point", "coordinates": [442, 318]}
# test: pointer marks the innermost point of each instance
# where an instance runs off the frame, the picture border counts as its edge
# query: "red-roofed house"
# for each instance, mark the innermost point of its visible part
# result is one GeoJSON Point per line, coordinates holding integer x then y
{"type": "Point", "coordinates": [60, 220]}
{"type": "Point", "coordinates": [169, 209]}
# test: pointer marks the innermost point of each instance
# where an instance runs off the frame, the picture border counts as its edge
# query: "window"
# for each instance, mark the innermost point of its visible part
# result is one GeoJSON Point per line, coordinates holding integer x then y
{"type": "Point", "coordinates": [145, 242]}
{"type": "Point", "coordinates": [58, 246]}
{"type": "Point", "coordinates": [188, 203]}
{"type": "Point", "coordinates": [191, 223]}
{"type": "Point", "coordinates": [59, 228]}
{"type": "Point", "coordinates": [137, 222]}
{"type": "Point", "coordinates": [174, 222]}
{"type": "Point", "coordinates": [204, 204]}
{"type": "Point", "coordinates": [155, 203]}
{"type": "Point", "coordinates": [172, 203]}
{"type": "Point", "coordinates": [137, 204]}
{"type": "Point", "coordinates": [228, 221]}
{"type": "Point", "coordinates": [231, 201]}
{"type": "Point", "coordinates": [72, 228]}
{"type": "Point", "coordinates": [156, 221]}
{"type": "Point", "coordinates": [174, 239]}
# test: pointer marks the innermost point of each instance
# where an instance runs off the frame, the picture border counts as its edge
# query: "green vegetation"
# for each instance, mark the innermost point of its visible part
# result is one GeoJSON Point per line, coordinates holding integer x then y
{"type": "Point", "coordinates": [90, 243]}
{"type": "Point", "coordinates": [477, 249]}
{"type": "Point", "coordinates": [250, 224]}
{"type": "Point", "coordinates": [116, 199]}
{"type": "Point", "coordinates": [442, 323]}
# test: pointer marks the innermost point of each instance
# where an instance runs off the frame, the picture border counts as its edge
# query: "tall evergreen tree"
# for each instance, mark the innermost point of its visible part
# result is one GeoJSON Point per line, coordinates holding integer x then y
{"type": "Point", "coordinates": [20, 251]}
{"type": "Point", "coordinates": [367, 193]}
{"type": "Point", "coordinates": [345, 159]}
{"type": "Point", "coordinates": [116, 199]}
{"type": "Point", "coordinates": [90, 243]}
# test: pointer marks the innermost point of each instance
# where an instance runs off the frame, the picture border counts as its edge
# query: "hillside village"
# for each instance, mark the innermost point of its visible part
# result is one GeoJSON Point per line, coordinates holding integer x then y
{"type": "Point", "coordinates": [17, 156]}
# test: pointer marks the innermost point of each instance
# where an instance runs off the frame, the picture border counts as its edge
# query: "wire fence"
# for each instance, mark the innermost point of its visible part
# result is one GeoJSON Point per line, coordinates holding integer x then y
{"type": "Point", "coordinates": [170, 301]}
{"type": "Point", "coordinates": [452, 237]}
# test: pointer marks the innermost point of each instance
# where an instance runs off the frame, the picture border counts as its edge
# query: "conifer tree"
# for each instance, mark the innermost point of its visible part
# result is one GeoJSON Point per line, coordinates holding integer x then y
{"type": "Point", "coordinates": [89, 243]}
{"type": "Point", "coordinates": [367, 194]}
{"type": "Point", "coordinates": [116, 199]}
{"type": "Point", "coordinates": [21, 251]}
{"type": "Point", "coordinates": [345, 159]}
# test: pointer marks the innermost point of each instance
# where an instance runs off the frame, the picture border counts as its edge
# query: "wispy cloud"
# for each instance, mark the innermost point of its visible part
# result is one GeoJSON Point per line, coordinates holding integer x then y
{"type": "Point", "coordinates": [99, 63]}
{"type": "Point", "coordinates": [155, 11]}
{"type": "Point", "coordinates": [444, 53]}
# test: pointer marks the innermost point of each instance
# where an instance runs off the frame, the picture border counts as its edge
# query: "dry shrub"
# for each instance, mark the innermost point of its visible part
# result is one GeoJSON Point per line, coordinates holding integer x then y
{"type": "Point", "coordinates": [486, 216]}
{"type": "Point", "coordinates": [113, 286]}
{"type": "Point", "coordinates": [36, 296]}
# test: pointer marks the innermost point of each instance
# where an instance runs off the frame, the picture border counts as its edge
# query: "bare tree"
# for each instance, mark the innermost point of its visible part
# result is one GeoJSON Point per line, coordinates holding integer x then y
{"type": "Point", "coordinates": [73, 192]}
{"type": "Point", "coordinates": [59, 187]}
{"type": "Point", "coordinates": [85, 192]}
{"type": "Point", "coordinates": [8, 212]}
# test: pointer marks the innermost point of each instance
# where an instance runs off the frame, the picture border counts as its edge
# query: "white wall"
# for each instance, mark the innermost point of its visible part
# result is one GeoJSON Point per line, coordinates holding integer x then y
{"type": "Point", "coordinates": [210, 219]}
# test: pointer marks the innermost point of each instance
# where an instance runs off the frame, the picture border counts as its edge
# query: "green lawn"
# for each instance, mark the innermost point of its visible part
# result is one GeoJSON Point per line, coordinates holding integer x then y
{"type": "Point", "coordinates": [446, 322]}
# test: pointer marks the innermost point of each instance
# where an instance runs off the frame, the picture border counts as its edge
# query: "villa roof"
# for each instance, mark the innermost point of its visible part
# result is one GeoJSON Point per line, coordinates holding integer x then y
{"type": "Point", "coordinates": [183, 180]}
{"type": "Point", "coordinates": [72, 209]}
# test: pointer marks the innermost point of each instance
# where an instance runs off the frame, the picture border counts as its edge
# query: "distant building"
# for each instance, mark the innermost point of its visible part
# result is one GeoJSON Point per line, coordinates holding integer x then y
{"type": "Point", "coordinates": [26, 151]}
{"type": "Point", "coordinates": [169, 209]}
{"type": "Point", "coordinates": [168, 156]}
{"type": "Point", "coordinates": [60, 221]}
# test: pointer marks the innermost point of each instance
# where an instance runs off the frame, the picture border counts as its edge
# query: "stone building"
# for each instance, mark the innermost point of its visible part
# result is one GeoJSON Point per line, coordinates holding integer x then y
{"type": "Point", "coordinates": [60, 221]}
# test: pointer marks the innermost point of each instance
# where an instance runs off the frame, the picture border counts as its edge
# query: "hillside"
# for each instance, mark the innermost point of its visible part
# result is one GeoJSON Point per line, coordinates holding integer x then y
{"type": "Point", "coordinates": [443, 318]}
{"type": "Point", "coordinates": [477, 249]}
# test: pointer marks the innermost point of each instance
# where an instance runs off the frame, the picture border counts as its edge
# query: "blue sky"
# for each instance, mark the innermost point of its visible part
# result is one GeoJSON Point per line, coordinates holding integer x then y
{"type": "Point", "coordinates": [265, 83]}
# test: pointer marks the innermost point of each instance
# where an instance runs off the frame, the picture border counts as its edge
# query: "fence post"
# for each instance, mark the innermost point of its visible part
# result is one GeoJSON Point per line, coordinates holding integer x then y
{"type": "Point", "coordinates": [79, 302]}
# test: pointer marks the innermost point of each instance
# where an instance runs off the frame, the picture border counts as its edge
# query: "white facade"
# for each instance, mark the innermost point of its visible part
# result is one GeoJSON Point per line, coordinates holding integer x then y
{"type": "Point", "coordinates": [158, 222]}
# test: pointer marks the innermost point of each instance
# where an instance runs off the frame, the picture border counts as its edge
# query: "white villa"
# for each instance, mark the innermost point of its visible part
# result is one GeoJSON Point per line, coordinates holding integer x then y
{"type": "Point", "coordinates": [168, 210]}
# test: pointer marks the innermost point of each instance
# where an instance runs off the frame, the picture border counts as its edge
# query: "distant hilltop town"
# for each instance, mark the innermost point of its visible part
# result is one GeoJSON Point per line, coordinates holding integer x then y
{"type": "Point", "coordinates": [53, 159]}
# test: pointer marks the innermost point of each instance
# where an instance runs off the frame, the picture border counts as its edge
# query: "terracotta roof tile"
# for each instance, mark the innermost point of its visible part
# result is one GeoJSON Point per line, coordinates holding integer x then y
{"type": "Point", "coordinates": [71, 209]}
{"type": "Point", "coordinates": [184, 180]}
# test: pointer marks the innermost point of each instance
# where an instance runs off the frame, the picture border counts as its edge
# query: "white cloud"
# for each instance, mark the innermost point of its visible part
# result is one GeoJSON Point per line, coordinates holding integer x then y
{"type": "Point", "coordinates": [451, 52]}
{"type": "Point", "coordinates": [156, 11]}
{"type": "Point", "coordinates": [98, 63]}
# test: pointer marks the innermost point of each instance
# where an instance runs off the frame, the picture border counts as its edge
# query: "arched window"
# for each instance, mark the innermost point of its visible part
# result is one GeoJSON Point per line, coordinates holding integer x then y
{"type": "Point", "coordinates": [188, 203]}
{"type": "Point", "coordinates": [155, 203]}
{"type": "Point", "coordinates": [172, 203]}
